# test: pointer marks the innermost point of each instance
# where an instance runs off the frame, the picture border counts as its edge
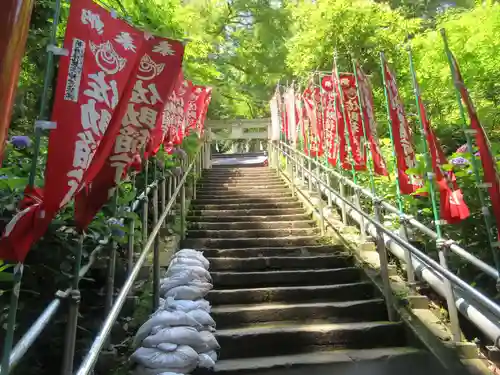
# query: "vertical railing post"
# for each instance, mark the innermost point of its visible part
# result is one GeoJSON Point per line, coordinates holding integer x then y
{"type": "Point", "coordinates": [291, 164]}
{"type": "Point", "coordinates": [384, 264]}
{"type": "Point", "coordinates": [343, 207]}
{"type": "Point", "coordinates": [163, 195]}
{"type": "Point", "coordinates": [156, 251]}
{"type": "Point", "coordinates": [73, 298]}
{"type": "Point", "coordinates": [131, 236]}
{"type": "Point", "coordinates": [183, 208]}
{"type": "Point", "coordinates": [110, 277]}
{"type": "Point", "coordinates": [320, 200]}
{"type": "Point", "coordinates": [309, 174]}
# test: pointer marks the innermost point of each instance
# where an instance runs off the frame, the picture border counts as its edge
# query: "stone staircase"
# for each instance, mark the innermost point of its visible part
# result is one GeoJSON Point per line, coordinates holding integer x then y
{"type": "Point", "coordinates": [284, 302]}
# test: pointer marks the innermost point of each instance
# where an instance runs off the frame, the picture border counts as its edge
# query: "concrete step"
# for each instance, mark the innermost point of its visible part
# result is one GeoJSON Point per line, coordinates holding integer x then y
{"type": "Point", "coordinates": [252, 225]}
{"type": "Point", "coordinates": [229, 280]}
{"type": "Point", "coordinates": [246, 206]}
{"type": "Point", "coordinates": [302, 251]}
{"type": "Point", "coordinates": [252, 233]}
{"type": "Point", "coordinates": [256, 200]}
{"type": "Point", "coordinates": [264, 191]}
{"type": "Point", "coordinates": [246, 185]}
{"type": "Point", "coordinates": [291, 294]}
{"type": "Point", "coordinates": [249, 212]}
{"type": "Point", "coordinates": [318, 312]}
{"type": "Point", "coordinates": [379, 361]}
{"type": "Point", "coordinates": [229, 243]}
{"type": "Point", "coordinates": [293, 338]}
{"type": "Point", "coordinates": [239, 179]}
{"type": "Point", "coordinates": [278, 263]}
{"type": "Point", "coordinates": [219, 170]}
{"type": "Point", "coordinates": [229, 194]}
{"type": "Point", "coordinates": [249, 218]}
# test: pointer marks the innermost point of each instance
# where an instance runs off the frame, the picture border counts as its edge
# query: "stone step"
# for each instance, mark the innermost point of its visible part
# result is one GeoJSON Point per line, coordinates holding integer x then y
{"type": "Point", "coordinates": [246, 206]}
{"type": "Point", "coordinates": [249, 212]}
{"type": "Point", "coordinates": [379, 361]}
{"type": "Point", "coordinates": [225, 190]}
{"type": "Point", "coordinates": [318, 312]}
{"type": "Point", "coordinates": [244, 195]}
{"type": "Point", "coordinates": [238, 179]}
{"type": "Point", "coordinates": [238, 171]}
{"type": "Point", "coordinates": [249, 218]}
{"type": "Point", "coordinates": [228, 280]}
{"type": "Point", "coordinates": [293, 338]}
{"type": "Point", "coordinates": [244, 200]}
{"type": "Point", "coordinates": [252, 233]}
{"type": "Point", "coordinates": [302, 251]}
{"type": "Point", "coordinates": [229, 243]}
{"type": "Point", "coordinates": [242, 185]}
{"type": "Point", "coordinates": [252, 225]}
{"type": "Point", "coordinates": [248, 264]}
{"type": "Point", "coordinates": [291, 294]}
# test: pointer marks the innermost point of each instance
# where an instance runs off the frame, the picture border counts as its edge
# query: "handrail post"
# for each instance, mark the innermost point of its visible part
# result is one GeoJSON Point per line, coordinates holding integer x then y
{"type": "Point", "coordinates": [156, 253]}
{"type": "Point", "coordinates": [292, 173]}
{"type": "Point", "coordinates": [384, 264]}
{"type": "Point", "coordinates": [450, 298]}
{"type": "Point", "coordinates": [163, 195]}
{"type": "Point", "coordinates": [309, 175]}
{"type": "Point", "coordinates": [183, 209]}
{"type": "Point", "coordinates": [320, 201]}
{"type": "Point", "coordinates": [343, 207]}
{"type": "Point", "coordinates": [73, 297]}
{"type": "Point", "coordinates": [145, 207]}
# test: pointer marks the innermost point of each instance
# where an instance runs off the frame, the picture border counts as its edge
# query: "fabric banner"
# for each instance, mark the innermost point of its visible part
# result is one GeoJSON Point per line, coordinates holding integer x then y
{"type": "Point", "coordinates": [274, 133]}
{"type": "Point", "coordinates": [153, 81]}
{"type": "Point", "coordinates": [402, 137]}
{"type": "Point", "coordinates": [289, 98]}
{"type": "Point", "coordinates": [312, 105]}
{"type": "Point", "coordinates": [196, 108]}
{"type": "Point", "coordinates": [283, 116]}
{"type": "Point", "coordinates": [453, 208]}
{"type": "Point", "coordinates": [333, 122]}
{"type": "Point", "coordinates": [490, 173]}
{"type": "Point", "coordinates": [352, 115]}
{"type": "Point", "coordinates": [175, 114]}
{"type": "Point", "coordinates": [203, 116]}
{"type": "Point", "coordinates": [91, 81]}
{"type": "Point", "coordinates": [366, 95]}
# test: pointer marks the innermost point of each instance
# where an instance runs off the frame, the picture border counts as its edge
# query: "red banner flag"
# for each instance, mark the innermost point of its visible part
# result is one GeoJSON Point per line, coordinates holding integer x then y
{"type": "Point", "coordinates": [91, 81]}
{"type": "Point", "coordinates": [352, 115]}
{"type": "Point", "coordinates": [176, 115]}
{"type": "Point", "coordinates": [203, 116]}
{"type": "Point", "coordinates": [289, 98]}
{"type": "Point", "coordinates": [490, 173]}
{"type": "Point", "coordinates": [312, 106]}
{"type": "Point", "coordinates": [333, 122]}
{"type": "Point", "coordinates": [152, 83]}
{"type": "Point", "coordinates": [197, 109]}
{"type": "Point", "coordinates": [366, 95]}
{"type": "Point", "coordinates": [453, 208]}
{"type": "Point", "coordinates": [401, 134]}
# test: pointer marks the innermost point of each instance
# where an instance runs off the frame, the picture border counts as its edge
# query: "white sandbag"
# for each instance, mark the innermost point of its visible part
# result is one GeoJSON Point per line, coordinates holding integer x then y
{"type": "Point", "coordinates": [167, 347]}
{"type": "Point", "coordinates": [199, 257]}
{"type": "Point", "coordinates": [207, 343]}
{"type": "Point", "coordinates": [186, 292]}
{"type": "Point", "coordinates": [207, 287]}
{"type": "Point", "coordinates": [164, 318]}
{"type": "Point", "coordinates": [183, 360]}
{"type": "Point", "coordinates": [201, 272]}
{"type": "Point", "coordinates": [205, 361]}
{"type": "Point", "coordinates": [182, 278]}
{"type": "Point", "coordinates": [177, 335]}
{"type": "Point", "coordinates": [188, 262]}
{"type": "Point", "coordinates": [202, 317]}
{"type": "Point", "coordinates": [184, 305]}
{"type": "Point", "coordinates": [212, 354]}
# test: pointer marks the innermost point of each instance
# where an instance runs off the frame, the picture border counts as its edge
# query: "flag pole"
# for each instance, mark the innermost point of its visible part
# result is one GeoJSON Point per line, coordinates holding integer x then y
{"type": "Point", "coordinates": [475, 167]}
{"type": "Point", "coordinates": [351, 157]}
{"type": "Point", "coordinates": [402, 216]}
{"type": "Point", "coordinates": [450, 299]}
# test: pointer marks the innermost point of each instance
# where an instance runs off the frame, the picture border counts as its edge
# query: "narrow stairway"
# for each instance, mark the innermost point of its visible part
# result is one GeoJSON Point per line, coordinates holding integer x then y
{"type": "Point", "coordinates": [284, 302]}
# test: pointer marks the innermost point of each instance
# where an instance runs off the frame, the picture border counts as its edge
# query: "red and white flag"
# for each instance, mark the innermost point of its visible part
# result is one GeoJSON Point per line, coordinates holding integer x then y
{"type": "Point", "coordinates": [402, 137]}
{"type": "Point", "coordinates": [141, 125]}
{"type": "Point", "coordinates": [91, 82]}
{"type": "Point", "coordinates": [352, 115]}
{"type": "Point", "coordinates": [490, 173]}
{"type": "Point", "coordinates": [366, 95]}
{"type": "Point", "coordinates": [312, 106]}
{"type": "Point", "coordinates": [333, 122]}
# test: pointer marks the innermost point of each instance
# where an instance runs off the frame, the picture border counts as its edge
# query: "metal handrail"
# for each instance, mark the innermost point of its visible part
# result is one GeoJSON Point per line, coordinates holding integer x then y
{"type": "Point", "coordinates": [461, 252]}
{"type": "Point", "coordinates": [36, 329]}
{"type": "Point", "coordinates": [487, 321]}
{"type": "Point", "coordinates": [101, 338]}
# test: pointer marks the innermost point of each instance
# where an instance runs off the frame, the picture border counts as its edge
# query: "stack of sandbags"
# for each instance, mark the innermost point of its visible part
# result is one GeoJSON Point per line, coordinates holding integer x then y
{"type": "Point", "coordinates": [179, 336]}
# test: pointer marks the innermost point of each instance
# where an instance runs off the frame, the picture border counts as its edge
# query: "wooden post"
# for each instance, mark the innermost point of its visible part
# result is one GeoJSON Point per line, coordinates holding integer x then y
{"type": "Point", "coordinates": [14, 25]}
